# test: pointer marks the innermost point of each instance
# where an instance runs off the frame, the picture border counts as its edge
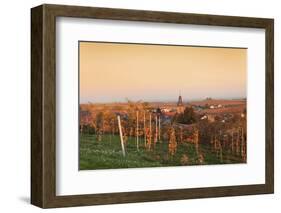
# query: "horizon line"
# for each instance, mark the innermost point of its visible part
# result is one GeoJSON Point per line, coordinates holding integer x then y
{"type": "Point", "coordinates": [170, 101]}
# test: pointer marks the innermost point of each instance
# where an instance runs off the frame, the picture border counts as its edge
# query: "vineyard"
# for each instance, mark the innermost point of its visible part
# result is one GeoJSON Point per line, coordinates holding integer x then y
{"type": "Point", "coordinates": [136, 135]}
{"type": "Point", "coordinates": [107, 154]}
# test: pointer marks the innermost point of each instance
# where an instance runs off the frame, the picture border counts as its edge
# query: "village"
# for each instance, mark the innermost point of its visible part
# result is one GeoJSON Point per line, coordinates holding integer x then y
{"type": "Point", "coordinates": [215, 130]}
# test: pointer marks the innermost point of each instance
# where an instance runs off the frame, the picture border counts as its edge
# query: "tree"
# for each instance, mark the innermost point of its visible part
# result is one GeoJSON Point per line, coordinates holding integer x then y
{"type": "Point", "coordinates": [187, 117]}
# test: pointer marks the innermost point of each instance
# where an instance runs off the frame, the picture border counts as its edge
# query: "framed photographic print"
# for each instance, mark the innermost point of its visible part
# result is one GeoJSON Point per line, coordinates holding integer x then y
{"type": "Point", "coordinates": [137, 106]}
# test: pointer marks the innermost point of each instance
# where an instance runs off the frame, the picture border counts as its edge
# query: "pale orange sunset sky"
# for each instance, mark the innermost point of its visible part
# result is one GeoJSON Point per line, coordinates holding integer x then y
{"type": "Point", "coordinates": [112, 72]}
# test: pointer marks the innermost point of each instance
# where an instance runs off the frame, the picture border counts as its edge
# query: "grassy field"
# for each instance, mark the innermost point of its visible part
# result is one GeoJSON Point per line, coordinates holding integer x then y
{"type": "Point", "coordinates": [107, 154]}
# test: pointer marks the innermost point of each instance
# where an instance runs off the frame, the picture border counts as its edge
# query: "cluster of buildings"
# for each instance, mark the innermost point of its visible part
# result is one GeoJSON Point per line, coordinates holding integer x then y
{"type": "Point", "coordinates": [210, 112]}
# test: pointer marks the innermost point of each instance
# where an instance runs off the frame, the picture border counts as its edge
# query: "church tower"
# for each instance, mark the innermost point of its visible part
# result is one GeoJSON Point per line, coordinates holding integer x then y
{"type": "Point", "coordinates": [180, 106]}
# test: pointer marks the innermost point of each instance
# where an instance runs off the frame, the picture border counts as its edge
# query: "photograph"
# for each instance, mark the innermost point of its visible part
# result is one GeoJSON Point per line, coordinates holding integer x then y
{"type": "Point", "coordinates": [161, 105]}
{"type": "Point", "coordinates": [140, 105]}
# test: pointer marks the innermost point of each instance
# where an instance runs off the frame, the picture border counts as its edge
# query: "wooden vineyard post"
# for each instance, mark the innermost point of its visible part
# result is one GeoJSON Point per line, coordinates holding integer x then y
{"type": "Point", "coordinates": [148, 141]}
{"type": "Point", "coordinates": [215, 143]}
{"type": "Point", "coordinates": [221, 157]}
{"type": "Point", "coordinates": [241, 146]}
{"type": "Point", "coordinates": [102, 127]}
{"type": "Point", "coordinates": [144, 130]}
{"type": "Point", "coordinates": [137, 131]}
{"type": "Point", "coordinates": [121, 136]}
{"type": "Point", "coordinates": [156, 127]}
{"type": "Point", "coordinates": [220, 146]}
{"type": "Point", "coordinates": [159, 129]}
{"type": "Point", "coordinates": [232, 142]}
{"type": "Point", "coordinates": [150, 129]}
{"type": "Point", "coordinates": [243, 150]}
{"type": "Point", "coordinates": [237, 143]}
{"type": "Point", "coordinates": [217, 147]}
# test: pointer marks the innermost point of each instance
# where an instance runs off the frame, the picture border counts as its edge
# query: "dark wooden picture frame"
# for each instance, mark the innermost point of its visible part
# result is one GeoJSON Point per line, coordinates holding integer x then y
{"type": "Point", "coordinates": [43, 105]}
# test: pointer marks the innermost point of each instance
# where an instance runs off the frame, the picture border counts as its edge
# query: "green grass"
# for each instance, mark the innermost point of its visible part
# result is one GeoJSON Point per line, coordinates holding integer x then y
{"type": "Point", "coordinates": [107, 154]}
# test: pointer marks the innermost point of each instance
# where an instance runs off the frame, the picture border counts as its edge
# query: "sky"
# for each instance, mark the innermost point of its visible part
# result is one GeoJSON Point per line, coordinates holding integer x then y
{"type": "Point", "coordinates": [114, 72]}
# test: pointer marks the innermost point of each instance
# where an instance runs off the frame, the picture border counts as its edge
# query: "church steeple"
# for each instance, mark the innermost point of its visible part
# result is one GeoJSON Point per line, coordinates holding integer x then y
{"type": "Point", "coordinates": [180, 106]}
{"type": "Point", "coordinates": [180, 101]}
